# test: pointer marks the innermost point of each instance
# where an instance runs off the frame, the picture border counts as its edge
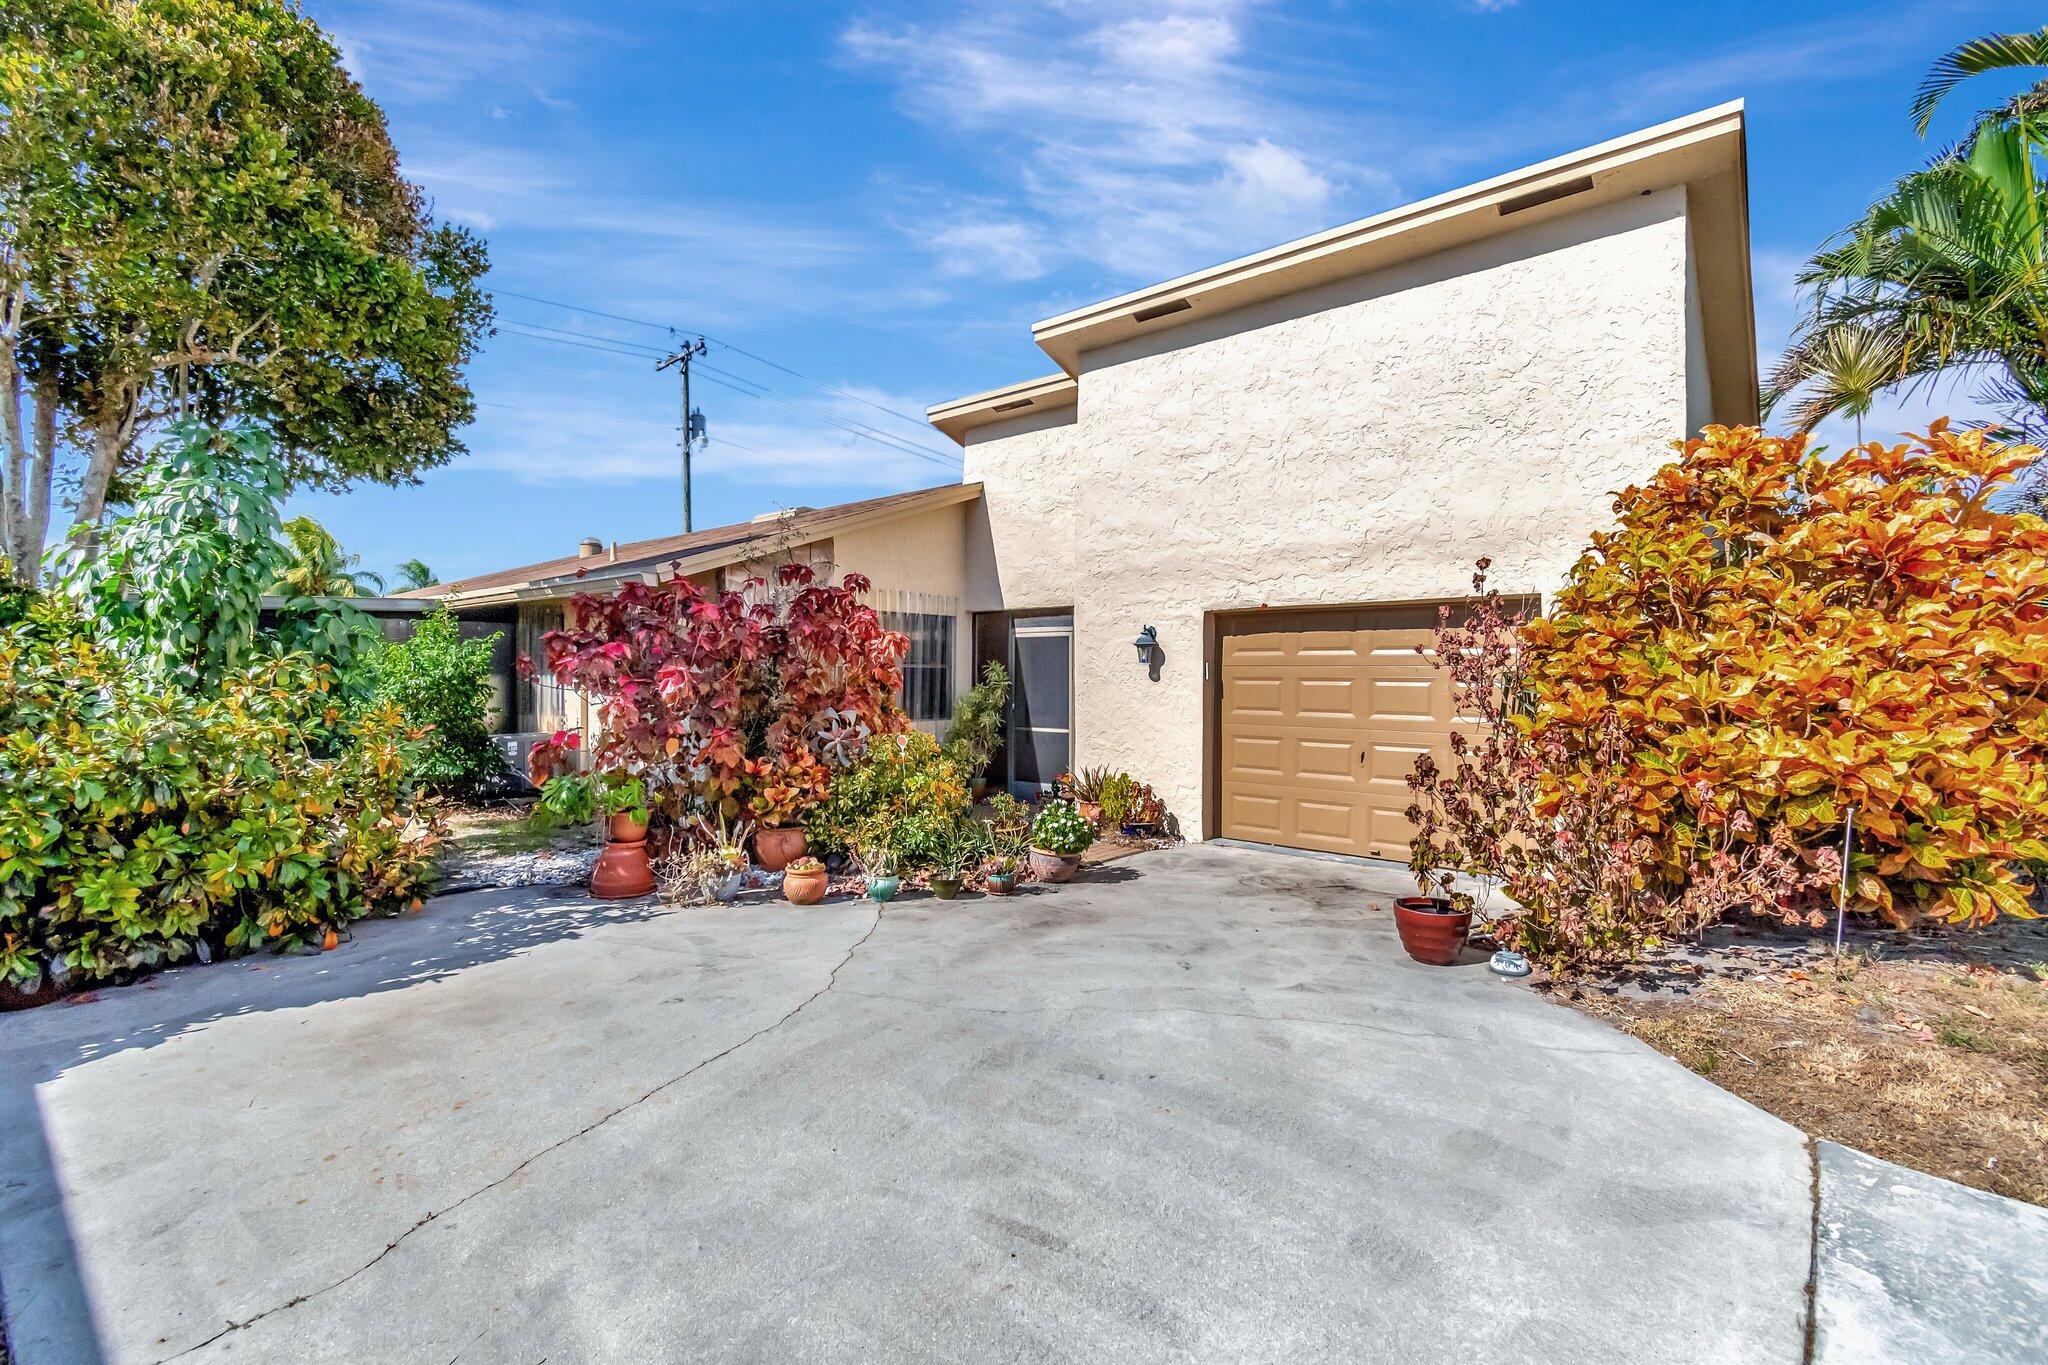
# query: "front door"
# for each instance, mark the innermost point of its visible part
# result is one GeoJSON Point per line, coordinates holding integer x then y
{"type": "Point", "coordinates": [1039, 738]}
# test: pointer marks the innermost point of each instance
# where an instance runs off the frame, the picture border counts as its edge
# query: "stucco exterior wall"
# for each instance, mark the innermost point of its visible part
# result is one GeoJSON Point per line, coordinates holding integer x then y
{"type": "Point", "coordinates": [1362, 442]}
{"type": "Point", "coordinates": [918, 564]}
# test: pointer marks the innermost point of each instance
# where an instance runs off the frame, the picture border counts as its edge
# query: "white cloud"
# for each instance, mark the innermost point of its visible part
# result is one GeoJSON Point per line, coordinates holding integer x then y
{"type": "Point", "coordinates": [752, 443]}
{"type": "Point", "coordinates": [448, 50]}
{"type": "Point", "coordinates": [1006, 248]}
{"type": "Point", "coordinates": [1135, 136]}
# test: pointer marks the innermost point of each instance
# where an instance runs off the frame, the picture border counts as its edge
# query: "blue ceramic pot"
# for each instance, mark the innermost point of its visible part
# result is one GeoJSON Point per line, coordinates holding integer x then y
{"type": "Point", "coordinates": [883, 888]}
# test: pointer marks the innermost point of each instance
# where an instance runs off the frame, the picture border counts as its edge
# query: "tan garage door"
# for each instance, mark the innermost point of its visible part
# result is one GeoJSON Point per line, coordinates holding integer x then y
{"type": "Point", "coordinates": [1323, 714]}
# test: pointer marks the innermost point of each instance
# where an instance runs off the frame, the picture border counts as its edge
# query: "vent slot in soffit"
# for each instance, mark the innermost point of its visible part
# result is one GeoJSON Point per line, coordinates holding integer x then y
{"type": "Point", "coordinates": [1549, 194]}
{"type": "Point", "coordinates": [1160, 310]}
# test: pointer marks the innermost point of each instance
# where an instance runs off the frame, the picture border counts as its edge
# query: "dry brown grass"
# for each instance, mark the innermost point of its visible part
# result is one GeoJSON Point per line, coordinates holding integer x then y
{"type": "Point", "coordinates": [1938, 1066]}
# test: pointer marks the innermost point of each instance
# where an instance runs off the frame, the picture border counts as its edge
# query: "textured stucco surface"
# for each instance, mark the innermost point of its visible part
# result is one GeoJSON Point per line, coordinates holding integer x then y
{"type": "Point", "coordinates": [1362, 442]}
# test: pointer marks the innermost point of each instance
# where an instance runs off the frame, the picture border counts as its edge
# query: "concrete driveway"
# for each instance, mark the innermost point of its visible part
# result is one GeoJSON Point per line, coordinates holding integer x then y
{"type": "Point", "coordinates": [1200, 1107]}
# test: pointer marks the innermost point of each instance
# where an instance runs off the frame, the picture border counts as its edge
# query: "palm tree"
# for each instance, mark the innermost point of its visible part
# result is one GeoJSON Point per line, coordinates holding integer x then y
{"type": "Point", "coordinates": [1993, 52]}
{"type": "Point", "coordinates": [1842, 369]}
{"type": "Point", "coordinates": [414, 573]}
{"type": "Point", "coordinates": [1947, 273]}
{"type": "Point", "coordinates": [319, 568]}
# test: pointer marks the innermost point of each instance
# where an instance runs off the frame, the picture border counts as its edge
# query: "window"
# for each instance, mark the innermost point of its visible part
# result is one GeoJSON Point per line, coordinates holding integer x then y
{"type": "Point", "coordinates": [928, 668]}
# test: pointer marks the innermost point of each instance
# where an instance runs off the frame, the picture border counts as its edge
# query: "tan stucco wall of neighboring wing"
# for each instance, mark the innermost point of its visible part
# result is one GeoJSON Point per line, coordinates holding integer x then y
{"type": "Point", "coordinates": [1365, 441]}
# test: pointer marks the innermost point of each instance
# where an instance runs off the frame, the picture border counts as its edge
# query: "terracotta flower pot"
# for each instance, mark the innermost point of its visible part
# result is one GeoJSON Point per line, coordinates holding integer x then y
{"type": "Point", "coordinates": [626, 830]}
{"type": "Point", "coordinates": [777, 846]}
{"type": "Point", "coordinates": [1091, 811]}
{"type": "Point", "coordinates": [1431, 930]}
{"type": "Point", "coordinates": [804, 888]}
{"type": "Point", "coordinates": [622, 871]}
{"type": "Point", "coordinates": [1054, 867]}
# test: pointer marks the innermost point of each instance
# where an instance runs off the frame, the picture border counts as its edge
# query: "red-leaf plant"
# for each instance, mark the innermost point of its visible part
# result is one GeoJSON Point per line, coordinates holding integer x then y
{"type": "Point", "coordinates": [724, 705]}
{"type": "Point", "coordinates": [1576, 857]}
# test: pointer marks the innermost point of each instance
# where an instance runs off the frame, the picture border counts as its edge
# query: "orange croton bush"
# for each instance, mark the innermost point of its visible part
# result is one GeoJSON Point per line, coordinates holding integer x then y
{"type": "Point", "coordinates": [1773, 637]}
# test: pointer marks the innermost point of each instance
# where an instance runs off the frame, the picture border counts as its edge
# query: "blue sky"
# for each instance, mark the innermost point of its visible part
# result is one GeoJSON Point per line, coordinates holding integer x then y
{"type": "Point", "coordinates": [883, 197]}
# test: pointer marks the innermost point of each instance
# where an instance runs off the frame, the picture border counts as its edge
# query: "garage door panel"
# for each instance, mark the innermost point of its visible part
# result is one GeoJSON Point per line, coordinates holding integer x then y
{"type": "Point", "coordinates": [1329, 820]}
{"type": "Point", "coordinates": [1325, 760]}
{"type": "Point", "coordinates": [1258, 816]}
{"type": "Point", "coordinates": [1324, 715]}
{"type": "Point", "coordinates": [1327, 698]}
{"type": "Point", "coordinates": [1257, 758]}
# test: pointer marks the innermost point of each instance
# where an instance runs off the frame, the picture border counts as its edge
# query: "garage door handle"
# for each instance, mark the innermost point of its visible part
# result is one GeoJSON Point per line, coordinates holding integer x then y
{"type": "Point", "coordinates": [1361, 755]}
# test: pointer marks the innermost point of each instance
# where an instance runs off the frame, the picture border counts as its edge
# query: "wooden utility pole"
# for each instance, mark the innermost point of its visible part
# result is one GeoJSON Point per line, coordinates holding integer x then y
{"type": "Point", "coordinates": [692, 424]}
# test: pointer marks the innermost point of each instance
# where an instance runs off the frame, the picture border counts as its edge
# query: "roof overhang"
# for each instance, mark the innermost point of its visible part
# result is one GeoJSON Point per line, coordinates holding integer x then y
{"type": "Point", "coordinates": [784, 531]}
{"type": "Point", "coordinates": [963, 415]}
{"type": "Point", "coordinates": [1704, 152]}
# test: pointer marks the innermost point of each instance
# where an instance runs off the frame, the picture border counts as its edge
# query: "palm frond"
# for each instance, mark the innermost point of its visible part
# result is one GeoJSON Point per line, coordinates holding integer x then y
{"type": "Point", "coordinates": [1994, 52]}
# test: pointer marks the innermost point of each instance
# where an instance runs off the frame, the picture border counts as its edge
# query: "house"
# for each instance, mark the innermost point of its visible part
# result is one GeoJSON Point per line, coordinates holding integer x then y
{"type": "Point", "coordinates": [1208, 545]}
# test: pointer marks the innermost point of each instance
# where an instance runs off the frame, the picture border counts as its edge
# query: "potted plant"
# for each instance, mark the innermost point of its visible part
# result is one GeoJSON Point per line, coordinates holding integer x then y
{"type": "Point", "coordinates": [726, 848]}
{"type": "Point", "coordinates": [1058, 836]}
{"type": "Point", "coordinates": [883, 883]}
{"type": "Point", "coordinates": [778, 837]}
{"type": "Point", "coordinates": [1087, 792]}
{"type": "Point", "coordinates": [1434, 925]}
{"type": "Point", "coordinates": [804, 881]}
{"type": "Point", "coordinates": [977, 727]}
{"type": "Point", "coordinates": [1007, 835]}
{"type": "Point", "coordinates": [1144, 815]}
{"type": "Point", "coordinates": [962, 851]}
{"type": "Point", "coordinates": [1001, 876]}
{"type": "Point", "coordinates": [623, 870]}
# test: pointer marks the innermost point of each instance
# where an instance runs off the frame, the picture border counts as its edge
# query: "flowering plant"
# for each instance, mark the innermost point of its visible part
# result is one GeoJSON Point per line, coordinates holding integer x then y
{"type": "Point", "coordinates": [1060, 829]}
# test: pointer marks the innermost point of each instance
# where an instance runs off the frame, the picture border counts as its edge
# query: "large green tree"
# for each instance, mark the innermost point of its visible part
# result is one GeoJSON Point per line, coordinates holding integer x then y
{"type": "Point", "coordinates": [319, 567]}
{"type": "Point", "coordinates": [201, 213]}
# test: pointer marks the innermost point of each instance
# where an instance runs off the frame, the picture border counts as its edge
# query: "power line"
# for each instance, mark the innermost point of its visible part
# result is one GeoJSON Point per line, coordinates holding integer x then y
{"type": "Point", "coordinates": [825, 415]}
{"type": "Point", "coordinates": [669, 426]}
{"type": "Point", "coordinates": [918, 422]}
{"type": "Point", "coordinates": [751, 388]}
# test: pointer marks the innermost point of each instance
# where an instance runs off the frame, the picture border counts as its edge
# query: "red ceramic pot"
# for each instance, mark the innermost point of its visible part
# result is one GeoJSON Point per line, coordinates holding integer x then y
{"type": "Point", "coordinates": [1432, 930]}
{"type": "Point", "coordinates": [804, 888]}
{"type": "Point", "coordinates": [777, 846]}
{"type": "Point", "coordinates": [622, 871]}
{"type": "Point", "coordinates": [626, 830]}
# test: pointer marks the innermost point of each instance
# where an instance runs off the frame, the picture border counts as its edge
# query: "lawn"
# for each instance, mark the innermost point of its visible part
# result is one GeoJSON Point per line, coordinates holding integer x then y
{"type": "Point", "coordinates": [1936, 1063]}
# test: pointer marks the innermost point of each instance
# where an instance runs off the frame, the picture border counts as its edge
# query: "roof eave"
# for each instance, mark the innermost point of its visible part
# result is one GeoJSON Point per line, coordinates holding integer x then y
{"type": "Point", "coordinates": [1699, 147]}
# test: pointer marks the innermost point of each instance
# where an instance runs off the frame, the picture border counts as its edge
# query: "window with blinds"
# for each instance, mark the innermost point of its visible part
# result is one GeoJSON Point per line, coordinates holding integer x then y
{"type": "Point", "coordinates": [928, 668]}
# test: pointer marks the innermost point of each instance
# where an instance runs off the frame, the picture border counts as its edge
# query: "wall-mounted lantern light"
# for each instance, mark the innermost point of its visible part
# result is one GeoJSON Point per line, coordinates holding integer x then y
{"type": "Point", "coordinates": [1147, 643]}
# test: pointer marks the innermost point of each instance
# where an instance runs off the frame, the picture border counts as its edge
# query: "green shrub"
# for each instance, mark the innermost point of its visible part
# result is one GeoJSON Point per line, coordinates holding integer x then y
{"type": "Point", "coordinates": [143, 825]}
{"type": "Point", "coordinates": [905, 795]}
{"type": "Point", "coordinates": [437, 678]}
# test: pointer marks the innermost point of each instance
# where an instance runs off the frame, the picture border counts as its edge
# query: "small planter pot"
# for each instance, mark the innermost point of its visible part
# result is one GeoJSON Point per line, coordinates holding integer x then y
{"type": "Point", "coordinates": [1091, 811]}
{"type": "Point", "coordinates": [977, 787]}
{"type": "Point", "coordinates": [1054, 867]}
{"type": "Point", "coordinates": [805, 888]}
{"type": "Point", "coordinates": [777, 846]}
{"type": "Point", "coordinates": [883, 889]}
{"type": "Point", "coordinates": [622, 871]}
{"type": "Point", "coordinates": [1432, 930]}
{"type": "Point", "coordinates": [727, 891]}
{"type": "Point", "coordinates": [945, 888]}
{"type": "Point", "coordinates": [624, 829]}
{"type": "Point", "coordinates": [1001, 883]}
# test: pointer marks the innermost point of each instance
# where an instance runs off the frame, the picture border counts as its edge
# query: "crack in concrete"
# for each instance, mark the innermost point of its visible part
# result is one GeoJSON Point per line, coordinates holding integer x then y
{"type": "Point", "coordinates": [830, 981]}
{"type": "Point", "coordinates": [1385, 1029]}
